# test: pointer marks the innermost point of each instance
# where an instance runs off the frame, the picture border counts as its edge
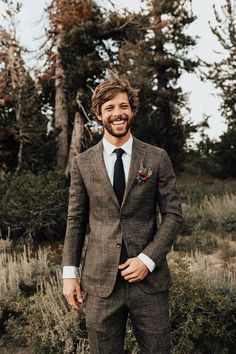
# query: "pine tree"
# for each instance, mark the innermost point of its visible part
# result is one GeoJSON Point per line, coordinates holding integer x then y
{"type": "Point", "coordinates": [153, 56]}
{"type": "Point", "coordinates": [21, 121]}
{"type": "Point", "coordinates": [75, 63]}
{"type": "Point", "coordinates": [223, 76]}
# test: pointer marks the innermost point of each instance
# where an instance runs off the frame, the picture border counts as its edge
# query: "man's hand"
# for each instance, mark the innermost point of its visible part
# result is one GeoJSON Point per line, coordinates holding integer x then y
{"type": "Point", "coordinates": [72, 292]}
{"type": "Point", "coordinates": [134, 270]}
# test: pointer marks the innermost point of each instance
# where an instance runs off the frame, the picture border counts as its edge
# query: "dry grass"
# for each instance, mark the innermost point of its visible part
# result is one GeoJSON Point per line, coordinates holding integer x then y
{"type": "Point", "coordinates": [67, 322]}
{"type": "Point", "coordinates": [210, 270]}
{"type": "Point", "coordinates": [22, 269]}
{"type": "Point", "coordinates": [221, 209]}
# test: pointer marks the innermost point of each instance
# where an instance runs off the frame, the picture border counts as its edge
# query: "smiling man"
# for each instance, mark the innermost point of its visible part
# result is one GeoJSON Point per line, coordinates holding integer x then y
{"type": "Point", "coordinates": [117, 189]}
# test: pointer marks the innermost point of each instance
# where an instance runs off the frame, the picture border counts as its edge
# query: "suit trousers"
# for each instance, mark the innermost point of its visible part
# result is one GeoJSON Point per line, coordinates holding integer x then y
{"type": "Point", "coordinates": [149, 313]}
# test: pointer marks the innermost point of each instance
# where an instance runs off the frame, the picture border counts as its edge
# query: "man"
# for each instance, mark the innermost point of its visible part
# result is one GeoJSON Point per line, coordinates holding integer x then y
{"type": "Point", "coordinates": [117, 189]}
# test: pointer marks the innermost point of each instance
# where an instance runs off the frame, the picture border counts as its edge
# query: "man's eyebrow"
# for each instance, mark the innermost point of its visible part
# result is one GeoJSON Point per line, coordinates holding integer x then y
{"type": "Point", "coordinates": [112, 105]}
{"type": "Point", "coordinates": [109, 105]}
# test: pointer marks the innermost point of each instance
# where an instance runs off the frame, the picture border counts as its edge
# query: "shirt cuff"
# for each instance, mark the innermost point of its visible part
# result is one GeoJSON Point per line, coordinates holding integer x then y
{"type": "Point", "coordinates": [69, 272]}
{"type": "Point", "coordinates": [147, 261]}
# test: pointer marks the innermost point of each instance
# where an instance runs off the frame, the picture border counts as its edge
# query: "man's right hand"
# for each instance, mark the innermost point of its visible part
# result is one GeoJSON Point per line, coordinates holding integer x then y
{"type": "Point", "coordinates": [72, 292]}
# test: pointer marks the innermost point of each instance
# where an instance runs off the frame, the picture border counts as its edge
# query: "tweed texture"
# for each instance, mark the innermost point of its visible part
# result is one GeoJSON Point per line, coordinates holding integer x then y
{"type": "Point", "coordinates": [93, 206]}
{"type": "Point", "coordinates": [149, 314]}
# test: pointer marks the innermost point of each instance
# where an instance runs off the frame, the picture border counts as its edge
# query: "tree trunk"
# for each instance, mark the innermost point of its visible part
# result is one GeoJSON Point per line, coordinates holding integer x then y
{"type": "Point", "coordinates": [75, 146]}
{"type": "Point", "coordinates": [61, 113]}
{"type": "Point", "coordinates": [16, 83]}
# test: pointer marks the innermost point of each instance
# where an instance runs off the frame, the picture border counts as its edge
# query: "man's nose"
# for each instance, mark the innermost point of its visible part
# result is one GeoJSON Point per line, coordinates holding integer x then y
{"type": "Point", "coordinates": [116, 112]}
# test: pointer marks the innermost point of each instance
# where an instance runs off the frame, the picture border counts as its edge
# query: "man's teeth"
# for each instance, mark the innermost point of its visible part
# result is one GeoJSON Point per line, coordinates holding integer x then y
{"type": "Point", "coordinates": [118, 122]}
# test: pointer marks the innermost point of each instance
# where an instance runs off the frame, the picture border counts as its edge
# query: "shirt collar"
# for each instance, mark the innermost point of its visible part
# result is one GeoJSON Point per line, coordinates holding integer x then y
{"type": "Point", "coordinates": [109, 148]}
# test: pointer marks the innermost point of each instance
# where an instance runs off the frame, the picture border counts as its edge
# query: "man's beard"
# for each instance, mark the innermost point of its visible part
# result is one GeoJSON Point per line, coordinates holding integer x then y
{"type": "Point", "coordinates": [110, 128]}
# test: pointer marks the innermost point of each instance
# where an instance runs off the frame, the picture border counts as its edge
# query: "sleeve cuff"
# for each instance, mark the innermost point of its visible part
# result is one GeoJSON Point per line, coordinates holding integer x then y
{"type": "Point", "coordinates": [147, 261]}
{"type": "Point", "coordinates": [69, 272]}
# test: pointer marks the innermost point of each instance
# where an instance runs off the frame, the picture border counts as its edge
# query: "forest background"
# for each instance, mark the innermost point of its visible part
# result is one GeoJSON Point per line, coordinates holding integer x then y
{"type": "Point", "coordinates": [45, 119]}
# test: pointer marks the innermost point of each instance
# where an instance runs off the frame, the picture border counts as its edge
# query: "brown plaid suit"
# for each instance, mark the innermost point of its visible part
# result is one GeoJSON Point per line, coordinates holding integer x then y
{"type": "Point", "coordinates": [93, 205]}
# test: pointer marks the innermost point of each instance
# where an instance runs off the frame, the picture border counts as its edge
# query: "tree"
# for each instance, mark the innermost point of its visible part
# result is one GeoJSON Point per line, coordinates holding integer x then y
{"type": "Point", "coordinates": [75, 63]}
{"type": "Point", "coordinates": [153, 55]}
{"type": "Point", "coordinates": [22, 123]}
{"type": "Point", "coordinates": [223, 76]}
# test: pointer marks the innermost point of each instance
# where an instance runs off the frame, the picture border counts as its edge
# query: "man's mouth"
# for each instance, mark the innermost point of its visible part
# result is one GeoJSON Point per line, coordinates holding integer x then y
{"type": "Point", "coordinates": [118, 122]}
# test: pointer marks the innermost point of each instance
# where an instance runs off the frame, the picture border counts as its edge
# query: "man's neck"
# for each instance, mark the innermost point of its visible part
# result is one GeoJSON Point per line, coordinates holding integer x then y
{"type": "Point", "coordinates": [117, 141]}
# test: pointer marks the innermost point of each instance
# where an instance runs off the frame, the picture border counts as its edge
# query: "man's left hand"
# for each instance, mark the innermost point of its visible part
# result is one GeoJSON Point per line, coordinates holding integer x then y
{"type": "Point", "coordinates": [133, 270]}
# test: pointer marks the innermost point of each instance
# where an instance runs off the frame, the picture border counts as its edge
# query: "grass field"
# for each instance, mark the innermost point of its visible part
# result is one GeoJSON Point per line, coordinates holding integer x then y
{"type": "Point", "coordinates": [35, 319]}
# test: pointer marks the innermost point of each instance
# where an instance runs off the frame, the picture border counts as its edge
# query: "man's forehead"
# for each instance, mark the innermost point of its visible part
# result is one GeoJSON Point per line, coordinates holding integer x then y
{"type": "Point", "coordinates": [120, 97]}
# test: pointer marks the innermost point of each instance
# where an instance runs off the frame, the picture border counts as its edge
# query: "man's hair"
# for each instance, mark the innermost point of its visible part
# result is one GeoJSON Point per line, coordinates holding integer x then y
{"type": "Point", "coordinates": [108, 90]}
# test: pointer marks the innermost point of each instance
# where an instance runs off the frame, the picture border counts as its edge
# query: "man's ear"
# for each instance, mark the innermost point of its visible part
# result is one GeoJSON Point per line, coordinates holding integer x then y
{"type": "Point", "coordinates": [99, 117]}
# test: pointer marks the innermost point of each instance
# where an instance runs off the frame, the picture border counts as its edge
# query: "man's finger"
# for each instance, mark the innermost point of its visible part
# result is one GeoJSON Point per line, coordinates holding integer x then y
{"type": "Point", "coordinates": [123, 266]}
{"type": "Point", "coordinates": [135, 280]}
{"type": "Point", "coordinates": [127, 271]}
{"type": "Point", "coordinates": [73, 303]}
{"type": "Point", "coordinates": [79, 295]}
{"type": "Point", "coordinates": [131, 276]}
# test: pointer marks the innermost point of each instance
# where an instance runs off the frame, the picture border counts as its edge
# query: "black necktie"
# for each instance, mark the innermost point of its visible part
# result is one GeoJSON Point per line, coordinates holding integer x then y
{"type": "Point", "coordinates": [119, 188]}
{"type": "Point", "coordinates": [119, 175]}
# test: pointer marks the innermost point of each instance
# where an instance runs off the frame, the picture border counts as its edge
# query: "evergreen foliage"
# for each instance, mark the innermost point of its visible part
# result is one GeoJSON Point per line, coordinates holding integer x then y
{"type": "Point", "coordinates": [223, 76]}
{"type": "Point", "coordinates": [153, 54]}
{"type": "Point", "coordinates": [34, 206]}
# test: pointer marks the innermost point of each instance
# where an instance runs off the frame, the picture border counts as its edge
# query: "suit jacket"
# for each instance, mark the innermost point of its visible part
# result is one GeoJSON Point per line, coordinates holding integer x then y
{"type": "Point", "coordinates": [93, 207]}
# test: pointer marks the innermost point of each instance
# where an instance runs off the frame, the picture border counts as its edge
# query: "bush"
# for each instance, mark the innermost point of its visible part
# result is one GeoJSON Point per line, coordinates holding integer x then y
{"type": "Point", "coordinates": [202, 315]}
{"type": "Point", "coordinates": [61, 329]}
{"type": "Point", "coordinates": [203, 319]}
{"type": "Point", "coordinates": [35, 206]}
{"type": "Point", "coordinates": [214, 275]}
{"type": "Point", "coordinates": [219, 212]}
{"type": "Point", "coordinates": [203, 241]}
{"type": "Point", "coordinates": [21, 274]}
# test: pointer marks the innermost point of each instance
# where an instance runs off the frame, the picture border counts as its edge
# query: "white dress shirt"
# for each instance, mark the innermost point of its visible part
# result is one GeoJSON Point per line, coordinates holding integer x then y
{"type": "Point", "coordinates": [109, 158]}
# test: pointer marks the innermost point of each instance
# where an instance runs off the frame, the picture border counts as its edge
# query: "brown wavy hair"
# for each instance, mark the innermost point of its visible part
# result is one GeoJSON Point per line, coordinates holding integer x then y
{"type": "Point", "coordinates": [108, 89]}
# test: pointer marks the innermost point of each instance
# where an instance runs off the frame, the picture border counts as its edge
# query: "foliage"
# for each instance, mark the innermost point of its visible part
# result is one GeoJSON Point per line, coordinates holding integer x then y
{"type": "Point", "coordinates": [20, 274]}
{"type": "Point", "coordinates": [202, 314]}
{"type": "Point", "coordinates": [158, 46]}
{"type": "Point", "coordinates": [202, 318]}
{"type": "Point", "coordinates": [222, 155]}
{"type": "Point", "coordinates": [220, 211]}
{"type": "Point", "coordinates": [61, 330]}
{"type": "Point", "coordinates": [35, 206]}
{"type": "Point", "coordinates": [24, 139]}
{"type": "Point", "coordinates": [194, 188]}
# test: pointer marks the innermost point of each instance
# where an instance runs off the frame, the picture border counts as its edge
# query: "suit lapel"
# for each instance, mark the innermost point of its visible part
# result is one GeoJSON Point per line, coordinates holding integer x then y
{"type": "Point", "coordinates": [97, 160]}
{"type": "Point", "coordinates": [138, 151]}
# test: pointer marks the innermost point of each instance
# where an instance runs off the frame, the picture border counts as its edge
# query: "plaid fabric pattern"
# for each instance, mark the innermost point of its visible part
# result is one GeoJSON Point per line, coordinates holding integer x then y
{"type": "Point", "coordinates": [93, 206]}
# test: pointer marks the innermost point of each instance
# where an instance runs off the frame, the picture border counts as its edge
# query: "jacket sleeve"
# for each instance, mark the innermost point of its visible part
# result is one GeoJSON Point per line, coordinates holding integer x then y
{"type": "Point", "coordinates": [77, 218]}
{"type": "Point", "coordinates": [168, 200]}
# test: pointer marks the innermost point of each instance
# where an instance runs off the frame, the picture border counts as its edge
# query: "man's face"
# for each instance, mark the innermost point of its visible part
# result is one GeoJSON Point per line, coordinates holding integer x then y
{"type": "Point", "coordinates": [116, 115]}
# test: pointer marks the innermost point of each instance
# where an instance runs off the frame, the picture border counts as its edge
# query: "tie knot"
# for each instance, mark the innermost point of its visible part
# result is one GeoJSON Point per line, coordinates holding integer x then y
{"type": "Point", "coordinates": [119, 152]}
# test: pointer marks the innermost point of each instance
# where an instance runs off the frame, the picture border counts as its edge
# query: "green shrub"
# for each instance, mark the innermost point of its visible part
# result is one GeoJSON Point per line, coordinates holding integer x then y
{"type": "Point", "coordinates": [191, 218]}
{"type": "Point", "coordinates": [203, 241]}
{"type": "Point", "coordinates": [203, 319]}
{"type": "Point", "coordinates": [61, 330]}
{"type": "Point", "coordinates": [19, 274]}
{"type": "Point", "coordinates": [194, 188]}
{"type": "Point", "coordinates": [35, 206]}
{"type": "Point", "coordinates": [219, 212]}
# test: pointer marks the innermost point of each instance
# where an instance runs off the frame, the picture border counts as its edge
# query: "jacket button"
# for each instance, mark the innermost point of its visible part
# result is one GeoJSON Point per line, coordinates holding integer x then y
{"type": "Point", "coordinates": [122, 218]}
{"type": "Point", "coordinates": [118, 245]}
